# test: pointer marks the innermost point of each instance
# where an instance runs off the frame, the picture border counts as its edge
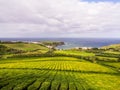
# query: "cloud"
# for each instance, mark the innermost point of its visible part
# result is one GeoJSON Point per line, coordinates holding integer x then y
{"type": "Point", "coordinates": [58, 18]}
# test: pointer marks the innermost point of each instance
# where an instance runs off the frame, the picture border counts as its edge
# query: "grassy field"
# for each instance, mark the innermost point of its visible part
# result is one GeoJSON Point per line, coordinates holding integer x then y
{"type": "Point", "coordinates": [26, 46]}
{"type": "Point", "coordinates": [113, 52]}
{"type": "Point", "coordinates": [56, 73]}
{"type": "Point", "coordinates": [115, 64]}
{"type": "Point", "coordinates": [117, 46]}
{"type": "Point", "coordinates": [58, 69]}
{"type": "Point", "coordinates": [74, 52]}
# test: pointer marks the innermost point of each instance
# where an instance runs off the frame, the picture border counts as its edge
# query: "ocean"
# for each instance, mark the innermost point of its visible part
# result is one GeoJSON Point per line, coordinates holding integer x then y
{"type": "Point", "coordinates": [72, 42]}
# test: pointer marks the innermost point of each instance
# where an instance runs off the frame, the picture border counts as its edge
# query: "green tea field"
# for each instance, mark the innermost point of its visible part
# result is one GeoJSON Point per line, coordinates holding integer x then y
{"type": "Point", "coordinates": [36, 67]}
{"type": "Point", "coordinates": [56, 73]}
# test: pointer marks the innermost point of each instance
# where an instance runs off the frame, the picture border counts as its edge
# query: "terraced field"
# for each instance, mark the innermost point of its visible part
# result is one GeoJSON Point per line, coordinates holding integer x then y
{"type": "Point", "coordinates": [56, 73]}
{"type": "Point", "coordinates": [74, 52]}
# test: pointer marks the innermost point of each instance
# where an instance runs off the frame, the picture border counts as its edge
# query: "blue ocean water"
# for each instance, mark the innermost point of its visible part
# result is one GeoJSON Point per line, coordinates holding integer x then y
{"type": "Point", "coordinates": [72, 42]}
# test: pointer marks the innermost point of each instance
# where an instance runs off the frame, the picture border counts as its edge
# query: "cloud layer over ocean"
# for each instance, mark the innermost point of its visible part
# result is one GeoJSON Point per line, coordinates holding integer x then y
{"type": "Point", "coordinates": [59, 18]}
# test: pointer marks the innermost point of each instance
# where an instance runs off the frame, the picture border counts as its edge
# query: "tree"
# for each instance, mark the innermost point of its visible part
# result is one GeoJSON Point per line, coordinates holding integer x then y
{"type": "Point", "coordinates": [3, 49]}
{"type": "Point", "coordinates": [119, 59]}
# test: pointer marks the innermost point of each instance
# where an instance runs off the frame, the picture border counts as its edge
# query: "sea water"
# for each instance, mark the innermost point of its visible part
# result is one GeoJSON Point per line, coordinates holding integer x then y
{"type": "Point", "coordinates": [72, 42]}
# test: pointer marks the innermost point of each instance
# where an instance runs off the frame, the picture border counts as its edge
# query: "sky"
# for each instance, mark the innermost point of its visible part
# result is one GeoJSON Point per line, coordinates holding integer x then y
{"type": "Point", "coordinates": [59, 18]}
{"type": "Point", "coordinates": [102, 0]}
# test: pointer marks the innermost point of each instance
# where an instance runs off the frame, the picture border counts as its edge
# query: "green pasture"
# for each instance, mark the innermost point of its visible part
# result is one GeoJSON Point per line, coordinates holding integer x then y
{"type": "Point", "coordinates": [26, 46]}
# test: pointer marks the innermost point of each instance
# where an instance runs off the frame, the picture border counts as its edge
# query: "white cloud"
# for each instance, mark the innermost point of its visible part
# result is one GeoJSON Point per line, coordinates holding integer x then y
{"type": "Point", "coordinates": [58, 18]}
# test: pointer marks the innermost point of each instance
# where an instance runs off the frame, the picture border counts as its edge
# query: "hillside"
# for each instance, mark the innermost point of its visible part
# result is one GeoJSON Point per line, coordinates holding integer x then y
{"type": "Point", "coordinates": [115, 47]}
{"type": "Point", "coordinates": [95, 69]}
{"type": "Point", "coordinates": [7, 50]}
{"type": "Point", "coordinates": [58, 73]}
{"type": "Point", "coordinates": [26, 46]}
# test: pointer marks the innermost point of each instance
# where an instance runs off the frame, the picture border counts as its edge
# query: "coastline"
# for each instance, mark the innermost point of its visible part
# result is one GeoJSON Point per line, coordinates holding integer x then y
{"type": "Point", "coordinates": [71, 42]}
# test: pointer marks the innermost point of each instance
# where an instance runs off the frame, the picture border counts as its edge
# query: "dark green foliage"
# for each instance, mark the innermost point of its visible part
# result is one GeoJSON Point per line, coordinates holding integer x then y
{"type": "Point", "coordinates": [118, 59]}
{"type": "Point", "coordinates": [5, 50]}
{"type": "Point", "coordinates": [53, 43]}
